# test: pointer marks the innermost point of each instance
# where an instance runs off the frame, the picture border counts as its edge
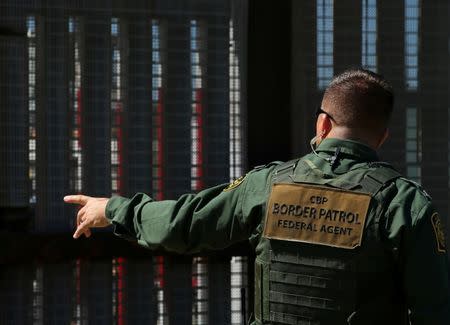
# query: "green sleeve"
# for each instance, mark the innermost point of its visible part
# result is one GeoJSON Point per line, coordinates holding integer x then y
{"type": "Point", "coordinates": [424, 261]}
{"type": "Point", "coordinates": [214, 218]}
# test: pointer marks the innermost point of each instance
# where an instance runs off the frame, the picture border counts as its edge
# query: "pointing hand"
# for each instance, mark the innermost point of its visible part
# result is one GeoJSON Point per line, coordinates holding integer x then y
{"type": "Point", "coordinates": [91, 214]}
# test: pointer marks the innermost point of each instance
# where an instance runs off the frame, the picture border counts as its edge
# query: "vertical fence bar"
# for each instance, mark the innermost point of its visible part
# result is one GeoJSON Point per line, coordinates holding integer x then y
{"type": "Point", "coordinates": [158, 151]}
{"type": "Point", "coordinates": [197, 58]}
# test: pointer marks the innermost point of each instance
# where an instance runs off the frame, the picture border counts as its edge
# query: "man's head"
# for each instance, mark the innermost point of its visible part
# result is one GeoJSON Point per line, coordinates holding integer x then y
{"type": "Point", "coordinates": [358, 105]}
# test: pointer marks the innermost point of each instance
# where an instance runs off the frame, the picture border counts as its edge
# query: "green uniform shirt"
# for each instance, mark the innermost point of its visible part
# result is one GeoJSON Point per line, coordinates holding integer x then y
{"type": "Point", "coordinates": [220, 216]}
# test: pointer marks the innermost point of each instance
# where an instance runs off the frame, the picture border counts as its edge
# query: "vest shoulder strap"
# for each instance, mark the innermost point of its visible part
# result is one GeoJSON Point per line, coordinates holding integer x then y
{"type": "Point", "coordinates": [284, 171]}
{"type": "Point", "coordinates": [379, 175]}
{"type": "Point", "coordinates": [378, 178]}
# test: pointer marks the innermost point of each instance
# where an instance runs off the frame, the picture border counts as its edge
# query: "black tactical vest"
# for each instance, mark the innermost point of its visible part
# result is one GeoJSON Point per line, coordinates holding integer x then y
{"type": "Point", "coordinates": [303, 283]}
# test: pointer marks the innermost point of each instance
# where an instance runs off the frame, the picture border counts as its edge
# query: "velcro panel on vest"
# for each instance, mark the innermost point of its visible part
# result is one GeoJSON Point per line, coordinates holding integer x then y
{"type": "Point", "coordinates": [303, 289]}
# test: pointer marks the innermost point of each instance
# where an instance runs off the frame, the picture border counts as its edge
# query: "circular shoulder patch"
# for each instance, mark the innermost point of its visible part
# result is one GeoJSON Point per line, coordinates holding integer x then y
{"type": "Point", "coordinates": [235, 183]}
{"type": "Point", "coordinates": [439, 233]}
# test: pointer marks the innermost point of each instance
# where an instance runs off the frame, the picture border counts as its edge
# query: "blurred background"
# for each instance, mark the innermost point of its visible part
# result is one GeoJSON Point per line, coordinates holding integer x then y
{"type": "Point", "coordinates": [172, 96]}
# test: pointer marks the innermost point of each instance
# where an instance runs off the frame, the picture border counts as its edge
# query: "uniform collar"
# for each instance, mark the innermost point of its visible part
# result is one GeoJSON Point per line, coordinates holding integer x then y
{"type": "Point", "coordinates": [356, 149]}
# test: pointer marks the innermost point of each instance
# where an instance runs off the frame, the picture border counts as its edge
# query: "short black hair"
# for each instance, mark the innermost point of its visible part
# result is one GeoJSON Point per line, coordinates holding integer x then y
{"type": "Point", "coordinates": [360, 99]}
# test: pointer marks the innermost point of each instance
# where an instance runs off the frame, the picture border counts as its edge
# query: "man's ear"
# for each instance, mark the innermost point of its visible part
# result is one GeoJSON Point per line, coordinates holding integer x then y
{"type": "Point", "coordinates": [323, 125]}
{"type": "Point", "coordinates": [383, 138]}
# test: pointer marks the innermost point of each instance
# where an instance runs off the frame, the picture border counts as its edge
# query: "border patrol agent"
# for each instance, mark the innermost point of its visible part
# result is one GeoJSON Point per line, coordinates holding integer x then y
{"type": "Point", "coordinates": [340, 237]}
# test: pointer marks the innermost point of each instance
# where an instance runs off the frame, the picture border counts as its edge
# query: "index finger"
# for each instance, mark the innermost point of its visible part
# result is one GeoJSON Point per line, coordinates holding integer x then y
{"type": "Point", "coordinates": [82, 228]}
{"type": "Point", "coordinates": [76, 199]}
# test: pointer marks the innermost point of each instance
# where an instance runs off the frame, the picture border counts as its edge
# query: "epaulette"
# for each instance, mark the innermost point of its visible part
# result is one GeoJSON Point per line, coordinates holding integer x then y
{"type": "Point", "coordinates": [273, 163]}
{"type": "Point", "coordinates": [418, 186]}
{"type": "Point", "coordinates": [288, 165]}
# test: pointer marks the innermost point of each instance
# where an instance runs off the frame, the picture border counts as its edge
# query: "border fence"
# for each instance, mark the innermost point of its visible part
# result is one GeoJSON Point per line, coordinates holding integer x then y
{"type": "Point", "coordinates": [112, 98]}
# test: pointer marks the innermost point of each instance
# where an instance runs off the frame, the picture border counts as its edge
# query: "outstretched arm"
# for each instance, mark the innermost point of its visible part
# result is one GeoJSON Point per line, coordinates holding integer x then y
{"type": "Point", "coordinates": [214, 218]}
